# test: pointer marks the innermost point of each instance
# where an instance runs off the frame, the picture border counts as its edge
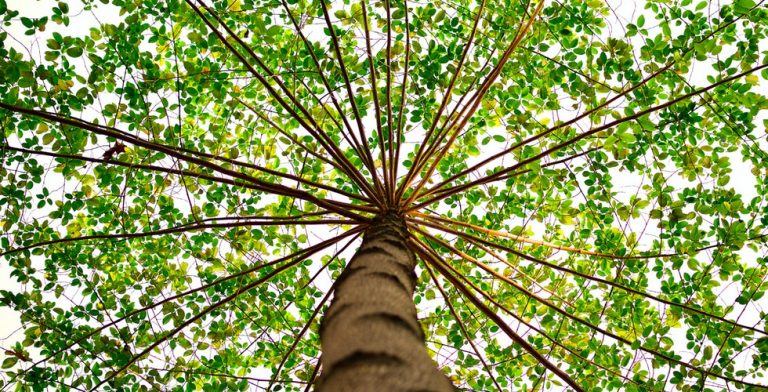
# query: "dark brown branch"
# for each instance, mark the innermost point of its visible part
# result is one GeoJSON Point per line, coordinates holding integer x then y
{"type": "Point", "coordinates": [298, 337]}
{"type": "Point", "coordinates": [171, 151]}
{"type": "Point", "coordinates": [291, 96]}
{"type": "Point", "coordinates": [198, 316]}
{"type": "Point", "coordinates": [312, 128]}
{"type": "Point", "coordinates": [354, 142]}
{"type": "Point", "coordinates": [497, 175]}
{"type": "Point", "coordinates": [463, 118]}
{"type": "Point", "coordinates": [375, 96]}
{"type": "Point", "coordinates": [212, 374]}
{"type": "Point", "coordinates": [431, 259]}
{"type": "Point", "coordinates": [604, 332]}
{"type": "Point", "coordinates": [389, 170]}
{"type": "Point", "coordinates": [417, 161]}
{"type": "Point", "coordinates": [306, 252]}
{"type": "Point", "coordinates": [463, 328]}
{"type": "Point", "coordinates": [579, 117]}
{"type": "Point", "coordinates": [403, 88]}
{"type": "Point", "coordinates": [186, 172]}
{"type": "Point", "coordinates": [180, 229]}
{"type": "Point", "coordinates": [503, 308]}
{"type": "Point", "coordinates": [597, 279]}
{"type": "Point", "coordinates": [350, 94]}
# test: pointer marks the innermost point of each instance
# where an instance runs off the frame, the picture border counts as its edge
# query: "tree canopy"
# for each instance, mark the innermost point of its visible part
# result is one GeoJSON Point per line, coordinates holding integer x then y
{"type": "Point", "coordinates": [584, 182]}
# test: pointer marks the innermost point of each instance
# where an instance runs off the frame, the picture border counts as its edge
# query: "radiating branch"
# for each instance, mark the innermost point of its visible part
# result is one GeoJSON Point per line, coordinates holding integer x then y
{"type": "Point", "coordinates": [463, 328]}
{"type": "Point", "coordinates": [180, 229]}
{"type": "Point", "coordinates": [417, 161]}
{"type": "Point", "coordinates": [187, 173]}
{"type": "Point", "coordinates": [298, 337]}
{"type": "Point", "coordinates": [543, 333]}
{"type": "Point", "coordinates": [617, 285]}
{"type": "Point", "coordinates": [350, 94]}
{"type": "Point", "coordinates": [173, 152]}
{"type": "Point", "coordinates": [572, 121]}
{"type": "Point", "coordinates": [356, 145]}
{"type": "Point", "coordinates": [403, 88]}
{"type": "Point", "coordinates": [312, 127]}
{"type": "Point", "coordinates": [559, 146]}
{"type": "Point", "coordinates": [667, 357]}
{"type": "Point", "coordinates": [375, 98]}
{"type": "Point", "coordinates": [305, 253]}
{"type": "Point", "coordinates": [431, 259]}
{"type": "Point", "coordinates": [198, 316]}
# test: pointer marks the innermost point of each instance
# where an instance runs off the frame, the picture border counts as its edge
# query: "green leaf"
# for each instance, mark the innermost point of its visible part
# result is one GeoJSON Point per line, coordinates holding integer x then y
{"type": "Point", "coordinates": [9, 362]}
{"type": "Point", "coordinates": [743, 6]}
{"type": "Point", "coordinates": [75, 51]}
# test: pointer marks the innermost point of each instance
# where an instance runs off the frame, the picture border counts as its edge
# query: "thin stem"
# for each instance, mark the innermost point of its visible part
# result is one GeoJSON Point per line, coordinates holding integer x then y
{"type": "Point", "coordinates": [350, 94]}
{"type": "Point", "coordinates": [431, 259]}
{"type": "Point", "coordinates": [463, 328]}
{"type": "Point", "coordinates": [375, 96]}
{"type": "Point", "coordinates": [596, 279]}
{"type": "Point", "coordinates": [354, 142]}
{"type": "Point", "coordinates": [313, 129]}
{"type": "Point", "coordinates": [187, 173]}
{"type": "Point", "coordinates": [446, 98]}
{"type": "Point", "coordinates": [658, 72]}
{"type": "Point", "coordinates": [490, 299]}
{"type": "Point", "coordinates": [196, 317]}
{"type": "Point", "coordinates": [180, 229]}
{"type": "Point", "coordinates": [497, 175]}
{"type": "Point", "coordinates": [172, 151]}
{"type": "Point", "coordinates": [307, 251]}
{"type": "Point", "coordinates": [403, 88]}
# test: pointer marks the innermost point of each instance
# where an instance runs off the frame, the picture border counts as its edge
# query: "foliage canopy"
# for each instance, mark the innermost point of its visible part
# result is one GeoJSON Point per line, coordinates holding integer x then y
{"type": "Point", "coordinates": [182, 181]}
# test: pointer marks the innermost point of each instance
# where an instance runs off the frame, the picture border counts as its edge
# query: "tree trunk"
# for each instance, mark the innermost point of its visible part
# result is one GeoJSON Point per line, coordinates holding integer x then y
{"type": "Point", "coordinates": [370, 337]}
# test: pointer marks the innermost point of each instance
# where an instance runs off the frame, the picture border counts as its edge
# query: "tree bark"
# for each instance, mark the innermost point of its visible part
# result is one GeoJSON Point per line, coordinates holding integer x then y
{"type": "Point", "coordinates": [370, 337]}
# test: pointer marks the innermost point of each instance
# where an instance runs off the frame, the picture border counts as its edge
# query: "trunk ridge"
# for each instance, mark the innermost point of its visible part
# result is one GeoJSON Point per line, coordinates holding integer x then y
{"type": "Point", "coordinates": [370, 336]}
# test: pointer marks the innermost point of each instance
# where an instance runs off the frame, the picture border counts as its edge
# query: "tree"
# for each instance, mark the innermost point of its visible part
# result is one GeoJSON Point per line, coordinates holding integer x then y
{"type": "Point", "coordinates": [384, 195]}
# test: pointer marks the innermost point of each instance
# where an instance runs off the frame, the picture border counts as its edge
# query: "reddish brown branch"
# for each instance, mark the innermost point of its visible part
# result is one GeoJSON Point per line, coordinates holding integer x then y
{"type": "Point", "coordinates": [431, 259]}
{"type": "Point", "coordinates": [495, 177]}
{"type": "Point", "coordinates": [304, 252]}
{"type": "Point", "coordinates": [594, 278]}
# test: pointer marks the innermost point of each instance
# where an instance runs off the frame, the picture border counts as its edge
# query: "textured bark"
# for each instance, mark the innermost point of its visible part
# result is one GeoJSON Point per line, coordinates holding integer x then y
{"type": "Point", "coordinates": [370, 337]}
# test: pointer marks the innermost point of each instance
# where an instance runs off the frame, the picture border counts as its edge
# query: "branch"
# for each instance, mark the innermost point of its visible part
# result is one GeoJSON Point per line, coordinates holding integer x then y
{"type": "Point", "coordinates": [303, 252]}
{"type": "Point", "coordinates": [596, 279]}
{"type": "Point", "coordinates": [494, 177]}
{"type": "Point", "coordinates": [180, 229]}
{"type": "Point", "coordinates": [171, 151]}
{"type": "Point", "coordinates": [531, 241]}
{"type": "Point", "coordinates": [196, 317]}
{"type": "Point", "coordinates": [417, 164]}
{"type": "Point", "coordinates": [583, 115]}
{"type": "Point", "coordinates": [586, 323]}
{"type": "Point", "coordinates": [321, 137]}
{"type": "Point", "coordinates": [375, 96]}
{"type": "Point", "coordinates": [431, 259]}
{"type": "Point", "coordinates": [534, 328]}
{"type": "Point", "coordinates": [351, 96]}
{"type": "Point", "coordinates": [354, 142]}
{"type": "Point", "coordinates": [463, 328]}
{"type": "Point", "coordinates": [403, 87]}
{"type": "Point", "coordinates": [476, 103]}
{"type": "Point", "coordinates": [301, 333]}
{"type": "Point", "coordinates": [188, 173]}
